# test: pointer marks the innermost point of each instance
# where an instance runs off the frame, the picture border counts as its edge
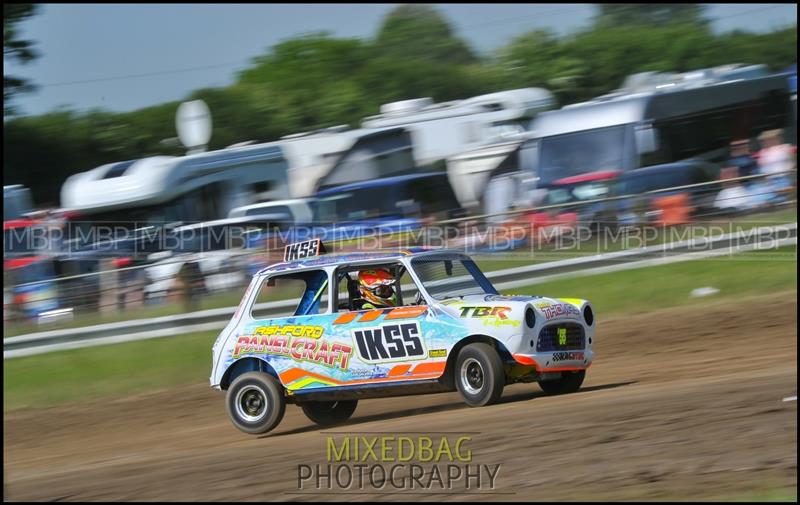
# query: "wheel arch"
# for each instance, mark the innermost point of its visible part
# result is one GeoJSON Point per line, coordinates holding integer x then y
{"type": "Point", "coordinates": [244, 365]}
{"type": "Point", "coordinates": [497, 345]}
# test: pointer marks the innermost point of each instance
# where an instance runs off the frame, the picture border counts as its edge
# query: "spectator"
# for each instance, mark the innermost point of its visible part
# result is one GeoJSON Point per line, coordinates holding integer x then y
{"type": "Point", "coordinates": [776, 159]}
{"type": "Point", "coordinates": [775, 156]}
{"type": "Point", "coordinates": [734, 197]}
{"type": "Point", "coordinates": [741, 158]}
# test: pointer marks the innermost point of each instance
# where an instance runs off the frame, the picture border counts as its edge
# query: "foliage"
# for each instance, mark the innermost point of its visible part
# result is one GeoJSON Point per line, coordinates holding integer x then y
{"type": "Point", "coordinates": [420, 33]}
{"type": "Point", "coordinates": [16, 50]}
{"type": "Point", "coordinates": [616, 15]}
{"type": "Point", "coordinates": [318, 80]}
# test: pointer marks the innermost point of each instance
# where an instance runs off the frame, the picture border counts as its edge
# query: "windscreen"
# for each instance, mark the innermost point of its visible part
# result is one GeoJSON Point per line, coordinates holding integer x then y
{"type": "Point", "coordinates": [451, 276]}
{"type": "Point", "coordinates": [581, 153]}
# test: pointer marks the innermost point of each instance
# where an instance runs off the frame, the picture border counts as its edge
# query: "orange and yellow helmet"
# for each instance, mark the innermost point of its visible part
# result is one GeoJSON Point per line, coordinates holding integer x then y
{"type": "Point", "coordinates": [376, 287]}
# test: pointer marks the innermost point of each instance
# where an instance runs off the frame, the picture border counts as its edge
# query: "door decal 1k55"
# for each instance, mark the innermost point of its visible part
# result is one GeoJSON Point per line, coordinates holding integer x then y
{"type": "Point", "coordinates": [390, 342]}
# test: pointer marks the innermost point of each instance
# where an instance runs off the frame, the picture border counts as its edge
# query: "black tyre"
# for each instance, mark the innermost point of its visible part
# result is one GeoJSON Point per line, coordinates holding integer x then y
{"type": "Point", "coordinates": [568, 383]}
{"type": "Point", "coordinates": [329, 413]}
{"type": "Point", "coordinates": [479, 374]}
{"type": "Point", "coordinates": [255, 402]}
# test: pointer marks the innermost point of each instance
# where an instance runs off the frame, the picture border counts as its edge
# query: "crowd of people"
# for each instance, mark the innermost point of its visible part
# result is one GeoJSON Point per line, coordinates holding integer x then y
{"type": "Point", "coordinates": [775, 161]}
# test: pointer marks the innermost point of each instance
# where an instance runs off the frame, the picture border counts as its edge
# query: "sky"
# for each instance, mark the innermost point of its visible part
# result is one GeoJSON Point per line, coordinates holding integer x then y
{"type": "Point", "coordinates": [123, 57]}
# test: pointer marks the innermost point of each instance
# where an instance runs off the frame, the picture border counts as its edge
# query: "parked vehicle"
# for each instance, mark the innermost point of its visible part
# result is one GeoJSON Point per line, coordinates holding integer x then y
{"type": "Point", "coordinates": [296, 211]}
{"type": "Point", "coordinates": [440, 131]}
{"type": "Point", "coordinates": [212, 256]}
{"type": "Point", "coordinates": [17, 201]}
{"type": "Point", "coordinates": [658, 131]}
{"type": "Point", "coordinates": [28, 271]}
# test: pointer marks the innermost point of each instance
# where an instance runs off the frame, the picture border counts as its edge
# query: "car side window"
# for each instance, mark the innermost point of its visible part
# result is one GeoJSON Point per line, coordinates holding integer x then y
{"type": "Point", "coordinates": [349, 296]}
{"type": "Point", "coordinates": [303, 293]}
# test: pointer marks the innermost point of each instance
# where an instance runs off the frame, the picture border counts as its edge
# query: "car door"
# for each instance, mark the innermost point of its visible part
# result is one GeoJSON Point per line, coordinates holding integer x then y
{"type": "Point", "coordinates": [297, 343]}
{"type": "Point", "coordinates": [389, 344]}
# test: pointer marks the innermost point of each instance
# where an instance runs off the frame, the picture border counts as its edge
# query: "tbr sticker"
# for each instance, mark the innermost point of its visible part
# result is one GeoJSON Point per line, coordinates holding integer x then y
{"type": "Point", "coordinates": [491, 316]}
{"type": "Point", "coordinates": [499, 312]}
{"type": "Point", "coordinates": [437, 353]}
{"type": "Point", "coordinates": [389, 342]}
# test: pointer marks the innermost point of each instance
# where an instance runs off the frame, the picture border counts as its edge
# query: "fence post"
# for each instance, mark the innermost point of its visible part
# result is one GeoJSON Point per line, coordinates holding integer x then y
{"type": "Point", "coordinates": [108, 286]}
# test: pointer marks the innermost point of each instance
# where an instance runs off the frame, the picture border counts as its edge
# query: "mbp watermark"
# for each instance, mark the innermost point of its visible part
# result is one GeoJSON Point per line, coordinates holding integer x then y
{"type": "Point", "coordinates": [357, 463]}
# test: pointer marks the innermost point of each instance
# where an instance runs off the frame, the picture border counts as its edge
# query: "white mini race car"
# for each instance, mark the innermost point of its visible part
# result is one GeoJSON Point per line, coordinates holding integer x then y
{"type": "Point", "coordinates": [449, 330]}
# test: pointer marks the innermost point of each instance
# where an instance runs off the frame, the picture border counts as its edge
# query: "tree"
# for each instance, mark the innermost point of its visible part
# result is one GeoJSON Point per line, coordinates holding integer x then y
{"type": "Point", "coordinates": [303, 75]}
{"type": "Point", "coordinates": [420, 33]}
{"type": "Point", "coordinates": [17, 50]}
{"type": "Point", "coordinates": [616, 15]}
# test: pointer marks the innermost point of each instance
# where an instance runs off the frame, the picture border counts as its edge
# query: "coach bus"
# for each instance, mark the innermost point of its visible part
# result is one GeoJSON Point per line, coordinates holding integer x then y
{"type": "Point", "coordinates": [658, 131]}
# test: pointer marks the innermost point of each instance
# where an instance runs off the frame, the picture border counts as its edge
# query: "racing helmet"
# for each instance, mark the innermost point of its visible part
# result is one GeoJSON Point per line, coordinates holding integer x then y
{"type": "Point", "coordinates": [375, 286]}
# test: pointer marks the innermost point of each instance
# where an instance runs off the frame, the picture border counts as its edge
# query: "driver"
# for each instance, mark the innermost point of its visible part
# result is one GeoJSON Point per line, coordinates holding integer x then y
{"type": "Point", "coordinates": [376, 289]}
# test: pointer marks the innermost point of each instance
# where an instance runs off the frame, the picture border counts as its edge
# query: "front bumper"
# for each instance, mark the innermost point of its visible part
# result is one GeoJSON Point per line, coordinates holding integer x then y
{"type": "Point", "coordinates": [557, 361]}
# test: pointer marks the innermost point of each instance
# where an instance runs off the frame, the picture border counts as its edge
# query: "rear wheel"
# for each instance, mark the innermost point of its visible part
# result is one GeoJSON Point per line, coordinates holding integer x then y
{"type": "Point", "coordinates": [479, 374]}
{"type": "Point", "coordinates": [329, 413]}
{"type": "Point", "coordinates": [568, 383]}
{"type": "Point", "coordinates": [255, 402]}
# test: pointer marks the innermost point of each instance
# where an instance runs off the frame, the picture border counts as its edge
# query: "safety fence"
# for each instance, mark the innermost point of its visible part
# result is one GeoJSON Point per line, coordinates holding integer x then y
{"type": "Point", "coordinates": [518, 237]}
{"type": "Point", "coordinates": [214, 319]}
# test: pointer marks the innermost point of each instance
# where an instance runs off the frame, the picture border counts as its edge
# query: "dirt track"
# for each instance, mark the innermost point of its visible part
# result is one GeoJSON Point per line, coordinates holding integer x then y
{"type": "Point", "coordinates": [680, 403]}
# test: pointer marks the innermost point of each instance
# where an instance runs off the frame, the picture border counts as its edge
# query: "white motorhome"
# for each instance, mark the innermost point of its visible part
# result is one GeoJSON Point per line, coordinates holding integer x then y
{"type": "Point", "coordinates": [165, 189]}
{"type": "Point", "coordinates": [451, 129]}
{"type": "Point", "coordinates": [207, 186]}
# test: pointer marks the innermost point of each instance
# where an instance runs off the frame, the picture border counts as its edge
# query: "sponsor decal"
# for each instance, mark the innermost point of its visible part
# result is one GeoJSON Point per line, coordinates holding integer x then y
{"type": "Point", "coordinates": [498, 312]}
{"type": "Point", "coordinates": [366, 372]}
{"type": "Point", "coordinates": [553, 310]}
{"type": "Point", "coordinates": [301, 250]}
{"type": "Point", "coordinates": [389, 342]}
{"type": "Point", "coordinates": [437, 353]}
{"type": "Point", "coordinates": [562, 336]}
{"type": "Point", "coordinates": [290, 330]}
{"type": "Point", "coordinates": [331, 354]}
{"type": "Point", "coordinates": [568, 356]}
{"type": "Point", "coordinates": [494, 321]}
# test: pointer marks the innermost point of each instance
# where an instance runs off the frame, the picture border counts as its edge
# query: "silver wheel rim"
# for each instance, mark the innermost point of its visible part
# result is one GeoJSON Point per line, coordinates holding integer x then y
{"type": "Point", "coordinates": [251, 404]}
{"type": "Point", "coordinates": [472, 376]}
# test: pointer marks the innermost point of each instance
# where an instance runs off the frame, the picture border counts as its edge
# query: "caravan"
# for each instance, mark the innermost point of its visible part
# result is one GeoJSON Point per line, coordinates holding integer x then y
{"type": "Point", "coordinates": [446, 131]}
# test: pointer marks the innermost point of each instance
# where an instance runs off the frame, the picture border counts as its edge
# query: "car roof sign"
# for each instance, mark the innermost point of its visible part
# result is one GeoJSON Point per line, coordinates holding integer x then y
{"type": "Point", "coordinates": [306, 249]}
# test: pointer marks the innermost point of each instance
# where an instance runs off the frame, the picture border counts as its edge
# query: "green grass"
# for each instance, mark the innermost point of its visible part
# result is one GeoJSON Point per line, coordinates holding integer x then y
{"type": "Point", "coordinates": [110, 370]}
{"type": "Point", "coordinates": [120, 369]}
{"type": "Point", "coordinates": [768, 495]}
{"type": "Point", "coordinates": [645, 289]}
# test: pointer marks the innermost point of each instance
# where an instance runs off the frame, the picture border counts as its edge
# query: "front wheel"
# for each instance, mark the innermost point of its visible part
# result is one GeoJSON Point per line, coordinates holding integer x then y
{"type": "Point", "coordinates": [329, 413]}
{"type": "Point", "coordinates": [568, 383]}
{"type": "Point", "coordinates": [255, 402]}
{"type": "Point", "coordinates": [479, 374]}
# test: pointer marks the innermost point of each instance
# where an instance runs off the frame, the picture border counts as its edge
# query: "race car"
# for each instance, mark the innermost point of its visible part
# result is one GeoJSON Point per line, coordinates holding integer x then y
{"type": "Point", "coordinates": [391, 323]}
